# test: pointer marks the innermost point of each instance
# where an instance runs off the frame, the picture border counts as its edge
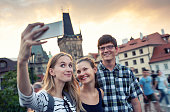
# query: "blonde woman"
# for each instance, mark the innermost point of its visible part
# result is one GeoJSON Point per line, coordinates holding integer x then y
{"type": "Point", "coordinates": [58, 79]}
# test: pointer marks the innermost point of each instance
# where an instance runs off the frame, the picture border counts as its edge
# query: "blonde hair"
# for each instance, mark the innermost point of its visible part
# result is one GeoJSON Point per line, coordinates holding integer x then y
{"type": "Point", "coordinates": [72, 87]}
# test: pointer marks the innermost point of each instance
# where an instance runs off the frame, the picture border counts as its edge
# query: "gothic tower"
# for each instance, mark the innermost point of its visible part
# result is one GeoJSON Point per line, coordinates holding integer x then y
{"type": "Point", "coordinates": [70, 43]}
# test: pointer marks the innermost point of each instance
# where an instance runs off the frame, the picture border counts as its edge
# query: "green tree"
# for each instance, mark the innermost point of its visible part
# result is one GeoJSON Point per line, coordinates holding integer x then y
{"type": "Point", "coordinates": [9, 100]}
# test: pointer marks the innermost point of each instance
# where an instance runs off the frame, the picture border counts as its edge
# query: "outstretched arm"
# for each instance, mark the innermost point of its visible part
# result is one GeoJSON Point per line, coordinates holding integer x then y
{"type": "Point", "coordinates": [27, 40]}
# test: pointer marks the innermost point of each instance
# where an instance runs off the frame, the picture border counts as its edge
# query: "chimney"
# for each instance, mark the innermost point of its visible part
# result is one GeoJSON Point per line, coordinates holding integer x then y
{"type": "Point", "coordinates": [162, 31]}
{"type": "Point", "coordinates": [125, 40]}
{"type": "Point", "coordinates": [141, 36]}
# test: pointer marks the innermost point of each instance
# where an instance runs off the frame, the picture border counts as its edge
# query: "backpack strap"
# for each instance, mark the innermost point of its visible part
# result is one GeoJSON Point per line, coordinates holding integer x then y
{"type": "Point", "coordinates": [68, 97]}
{"type": "Point", "coordinates": [50, 107]}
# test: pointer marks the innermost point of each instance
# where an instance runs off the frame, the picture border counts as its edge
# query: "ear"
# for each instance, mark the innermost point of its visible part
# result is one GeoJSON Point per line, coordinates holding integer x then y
{"type": "Point", "coordinates": [95, 69]}
{"type": "Point", "coordinates": [51, 71]}
{"type": "Point", "coordinates": [117, 50]}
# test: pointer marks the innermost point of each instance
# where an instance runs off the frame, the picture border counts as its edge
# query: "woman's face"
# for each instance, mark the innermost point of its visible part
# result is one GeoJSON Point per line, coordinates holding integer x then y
{"type": "Point", "coordinates": [85, 72]}
{"type": "Point", "coordinates": [63, 70]}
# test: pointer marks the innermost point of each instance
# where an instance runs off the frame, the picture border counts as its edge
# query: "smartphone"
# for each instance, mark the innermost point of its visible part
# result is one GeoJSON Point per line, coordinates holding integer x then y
{"type": "Point", "coordinates": [55, 30]}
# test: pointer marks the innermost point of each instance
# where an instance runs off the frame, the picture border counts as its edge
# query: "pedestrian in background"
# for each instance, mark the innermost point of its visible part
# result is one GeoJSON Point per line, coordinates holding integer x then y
{"type": "Point", "coordinates": [90, 95]}
{"type": "Point", "coordinates": [120, 86]}
{"type": "Point", "coordinates": [162, 86]}
{"type": "Point", "coordinates": [148, 96]}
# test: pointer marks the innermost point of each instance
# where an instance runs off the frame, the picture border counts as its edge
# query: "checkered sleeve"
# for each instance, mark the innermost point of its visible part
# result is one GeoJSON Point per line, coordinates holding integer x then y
{"type": "Point", "coordinates": [135, 88]}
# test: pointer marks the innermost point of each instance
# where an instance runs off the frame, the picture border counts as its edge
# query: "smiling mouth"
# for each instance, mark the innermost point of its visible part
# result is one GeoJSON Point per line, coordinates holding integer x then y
{"type": "Point", "coordinates": [84, 77]}
{"type": "Point", "coordinates": [68, 75]}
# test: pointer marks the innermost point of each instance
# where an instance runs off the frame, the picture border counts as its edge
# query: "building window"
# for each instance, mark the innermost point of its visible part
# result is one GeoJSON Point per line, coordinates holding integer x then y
{"type": "Point", "coordinates": [141, 51]}
{"type": "Point", "coordinates": [157, 67]}
{"type": "Point", "coordinates": [3, 64]}
{"type": "Point", "coordinates": [134, 62]}
{"type": "Point", "coordinates": [133, 53]}
{"type": "Point", "coordinates": [143, 68]}
{"type": "Point", "coordinates": [167, 50]}
{"type": "Point", "coordinates": [126, 63]}
{"type": "Point", "coordinates": [141, 60]}
{"type": "Point", "coordinates": [125, 55]}
{"type": "Point", "coordinates": [136, 71]}
{"type": "Point", "coordinates": [39, 69]}
{"type": "Point", "coordinates": [166, 66]}
{"type": "Point", "coordinates": [39, 59]}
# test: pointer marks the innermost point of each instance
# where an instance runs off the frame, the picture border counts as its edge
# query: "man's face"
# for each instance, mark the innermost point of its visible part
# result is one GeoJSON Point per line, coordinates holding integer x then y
{"type": "Point", "coordinates": [146, 73]}
{"type": "Point", "coordinates": [108, 51]}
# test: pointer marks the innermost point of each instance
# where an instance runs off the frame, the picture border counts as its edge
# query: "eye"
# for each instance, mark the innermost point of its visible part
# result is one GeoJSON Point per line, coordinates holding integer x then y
{"type": "Point", "coordinates": [78, 71]}
{"type": "Point", "coordinates": [84, 69]}
{"type": "Point", "coordinates": [102, 48]}
{"type": "Point", "coordinates": [62, 65]}
{"type": "Point", "coordinates": [70, 65]}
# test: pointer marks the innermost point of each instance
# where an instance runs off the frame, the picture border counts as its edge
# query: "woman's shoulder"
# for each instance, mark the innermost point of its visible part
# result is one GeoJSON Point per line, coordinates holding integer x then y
{"type": "Point", "coordinates": [101, 91]}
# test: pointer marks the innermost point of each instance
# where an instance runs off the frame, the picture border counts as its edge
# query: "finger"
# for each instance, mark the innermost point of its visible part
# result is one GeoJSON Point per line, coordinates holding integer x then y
{"type": "Point", "coordinates": [37, 31]}
{"type": "Point", "coordinates": [30, 27]}
{"type": "Point", "coordinates": [38, 42]}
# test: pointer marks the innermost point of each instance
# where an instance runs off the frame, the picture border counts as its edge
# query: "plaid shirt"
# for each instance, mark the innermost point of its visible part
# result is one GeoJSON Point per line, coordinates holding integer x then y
{"type": "Point", "coordinates": [119, 85]}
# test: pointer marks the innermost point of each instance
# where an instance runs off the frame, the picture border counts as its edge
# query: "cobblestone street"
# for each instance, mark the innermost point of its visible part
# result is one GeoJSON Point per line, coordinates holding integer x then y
{"type": "Point", "coordinates": [164, 107]}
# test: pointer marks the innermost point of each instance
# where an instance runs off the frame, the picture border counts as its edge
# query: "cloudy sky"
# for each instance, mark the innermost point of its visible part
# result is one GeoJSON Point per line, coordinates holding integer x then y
{"type": "Point", "coordinates": [120, 18]}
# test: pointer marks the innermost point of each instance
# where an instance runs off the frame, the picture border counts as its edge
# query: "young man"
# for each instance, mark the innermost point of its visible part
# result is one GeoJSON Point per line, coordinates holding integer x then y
{"type": "Point", "coordinates": [146, 84]}
{"type": "Point", "coordinates": [121, 88]}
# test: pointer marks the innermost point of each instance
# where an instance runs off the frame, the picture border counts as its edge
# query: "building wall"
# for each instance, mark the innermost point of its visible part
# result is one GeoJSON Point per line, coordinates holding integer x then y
{"type": "Point", "coordinates": [161, 66]}
{"type": "Point", "coordinates": [72, 46]}
{"type": "Point", "coordinates": [146, 56]}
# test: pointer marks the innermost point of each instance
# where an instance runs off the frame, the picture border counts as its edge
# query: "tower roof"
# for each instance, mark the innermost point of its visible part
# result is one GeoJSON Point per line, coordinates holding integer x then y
{"type": "Point", "coordinates": [68, 29]}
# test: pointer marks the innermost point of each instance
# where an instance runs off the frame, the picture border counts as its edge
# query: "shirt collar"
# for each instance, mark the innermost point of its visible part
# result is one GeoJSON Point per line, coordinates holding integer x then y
{"type": "Point", "coordinates": [102, 67]}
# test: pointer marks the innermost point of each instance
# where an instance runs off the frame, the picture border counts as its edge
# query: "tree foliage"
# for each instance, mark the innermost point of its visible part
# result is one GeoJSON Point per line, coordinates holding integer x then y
{"type": "Point", "coordinates": [9, 99]}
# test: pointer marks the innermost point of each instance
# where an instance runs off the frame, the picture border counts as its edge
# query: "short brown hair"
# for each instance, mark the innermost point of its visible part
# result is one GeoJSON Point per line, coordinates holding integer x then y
{"type": "Point", "coordinates": [107, 39]}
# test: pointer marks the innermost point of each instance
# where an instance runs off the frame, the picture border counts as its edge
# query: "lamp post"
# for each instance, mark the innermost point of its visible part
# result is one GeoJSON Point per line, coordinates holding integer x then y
{"type": "Point", "coordinates": [31, 62]}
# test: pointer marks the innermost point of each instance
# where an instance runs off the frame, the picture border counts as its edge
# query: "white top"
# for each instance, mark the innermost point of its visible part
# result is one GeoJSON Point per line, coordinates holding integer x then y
{"type": "Point", "coordinates": [39, 102]}
{"type": "Point", "coordinates": [161, 84]}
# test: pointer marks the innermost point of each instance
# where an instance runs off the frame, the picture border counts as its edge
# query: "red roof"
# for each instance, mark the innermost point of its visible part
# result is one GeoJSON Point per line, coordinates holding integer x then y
{"type": "Point", "coordinates": [159, 53]}
{"type": "Point", "coordinates": [94, 55]}
{"type": "Point", "coordinates": [152, 39]}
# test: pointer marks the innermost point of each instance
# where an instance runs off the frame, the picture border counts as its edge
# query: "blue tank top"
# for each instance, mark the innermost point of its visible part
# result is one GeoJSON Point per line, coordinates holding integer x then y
{"type": "Point", "coordinates": [95, 108]}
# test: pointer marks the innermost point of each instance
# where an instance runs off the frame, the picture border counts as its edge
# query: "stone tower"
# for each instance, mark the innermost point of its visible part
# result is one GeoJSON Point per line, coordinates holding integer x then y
{"type": "Point", "coordinates": [70, 43]}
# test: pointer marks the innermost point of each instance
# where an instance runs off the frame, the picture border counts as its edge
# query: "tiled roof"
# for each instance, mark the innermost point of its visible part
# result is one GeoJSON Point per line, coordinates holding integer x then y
{"type": "Point", "coordinates": [94, 55]}
{"type": "Point", "coordinates": [152, 39]}
{"type": "Point", "coordinates": [159, 53]}
{"type": "Point", "coordinates": [38, 49]}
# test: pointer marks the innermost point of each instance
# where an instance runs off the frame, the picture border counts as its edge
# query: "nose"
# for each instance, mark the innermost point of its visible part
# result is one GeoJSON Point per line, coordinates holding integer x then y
{"type": "Point", "coordinates": [69, 69]}
{"type": "Point", "coordinates": [79, 75]}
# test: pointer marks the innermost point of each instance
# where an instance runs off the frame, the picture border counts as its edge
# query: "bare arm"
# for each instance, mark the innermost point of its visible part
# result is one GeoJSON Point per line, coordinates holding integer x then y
{"type": "Point", "coordinates": [136, 105]}
{"type": "Point", "coordinates": [27, 38]}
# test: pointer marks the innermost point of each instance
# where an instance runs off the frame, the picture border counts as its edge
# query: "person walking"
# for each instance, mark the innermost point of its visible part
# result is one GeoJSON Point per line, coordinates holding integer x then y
{"type": "Point", "coordinates": [90, 95]}
{"type": "Point", "coordinates": [120, 86]}
{"type": "Point", "coordinates": [146, 84]}
{"type": "Point", "coordinates": [58, 82]}
{"type": "Point", "coordinates": [162, 86]}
